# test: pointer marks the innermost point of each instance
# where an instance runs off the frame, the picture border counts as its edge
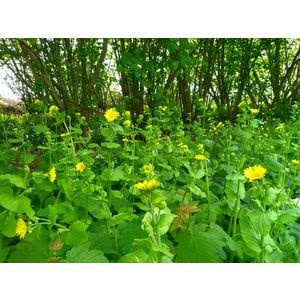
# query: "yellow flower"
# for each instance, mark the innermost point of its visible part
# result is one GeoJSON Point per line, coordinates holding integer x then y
{"type": "Point", "coordinates": [80, 166]}
{"type": "Point", "coordinates": [254, 110]}
{"type": "Point", "coordinates": [53, 109]}
{"type": "Point", "coordinates": [200, 157]}
{"type": "Point", "coordinates": [125, 140]}
{"type": "Point", "coordinates": [256, 172]}
{"type": "Point", "coordinates": [295, 161]}
{"type": "Point", "coordinates": [279, 127]}
{"type": "Point", "coordinates": [127, 123]}
{"type": "Point", "coordinates": [147, 169]}
{"type": "Point", "coordinates": [149, 126]}
{"type": "Point", "coordinates": [111, 114]}
{"type": "Point", "coordinates": [21, 228]}
{"type": "Point", "coordinates": [147, 185]}
{"type": "Point", "coordinates": [52, 174]}
{"type": "Point", "coordinates": [183, 146]}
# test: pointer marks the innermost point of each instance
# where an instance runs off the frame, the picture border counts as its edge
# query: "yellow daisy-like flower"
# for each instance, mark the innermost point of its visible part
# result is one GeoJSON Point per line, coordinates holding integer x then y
{"type": "Point", "coordinates": [111, 114]}
{"type": "Point", "coordinates": [200, 157]}
{"type": "Point", "coordinates": [295, 161]}
{"type": "Point", "coordinates": [127, 123]}
{"type": "Point", "coordinates": [254, 110]}
{"type": "Point", "coordinates": [80, 166]}
{"type": "Point", "coordinates": [21, 228]}
{"type": "Point", "coordinates": [147, 185]}
{"type": "Point", "coordinates": [53, 109]}
{"type": "Point", "coordinates": [255, 172]}
{"type": "Point", "coordinates": [52, 174]}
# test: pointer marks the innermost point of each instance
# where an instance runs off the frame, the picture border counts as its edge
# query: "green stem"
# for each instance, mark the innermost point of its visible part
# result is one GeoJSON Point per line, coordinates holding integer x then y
{"type": "Point", "coordinates": [262, 253]}
{"type": "Point", "coordinates": [71, 139]}
{"type": "Point", "coordinates": [207, 188]}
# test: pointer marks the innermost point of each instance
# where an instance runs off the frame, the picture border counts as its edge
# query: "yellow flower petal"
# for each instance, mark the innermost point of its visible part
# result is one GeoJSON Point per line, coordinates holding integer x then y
{"type": "Point", "coordinates": [255, 172]}
{"type": "Point", "coordinates": [111, 114]}
{"type": "Point", "coordinates": [21, 228]}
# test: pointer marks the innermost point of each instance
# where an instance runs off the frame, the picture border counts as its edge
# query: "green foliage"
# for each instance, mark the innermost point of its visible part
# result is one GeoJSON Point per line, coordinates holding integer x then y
{"type": "Point", "coordinates": [149, 188]}
{"type": "Point", "coordinates": [83, 254]}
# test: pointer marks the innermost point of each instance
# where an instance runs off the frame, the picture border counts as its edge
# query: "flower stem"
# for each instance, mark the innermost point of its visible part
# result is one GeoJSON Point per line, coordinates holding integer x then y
{"type": "Point", "coordinates": [207, 188]}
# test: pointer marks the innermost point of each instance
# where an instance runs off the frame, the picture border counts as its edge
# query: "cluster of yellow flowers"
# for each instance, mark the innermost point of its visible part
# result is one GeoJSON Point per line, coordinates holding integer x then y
{"type": "Point", "coordinates": [147, 185]}
{"type": "Point", "coordinates": [255, 172]}
{"type": "Point", "coordinates": [52, 174]}
{"type": "Point", "coordinates": [183, 146]}
{"type": "Point", "coordinates": [127, 123]}
{"type": "Point", "coordinates": [147, 169]}
{"type": "Point", "coordinates": [254, 111]}
{"type": "Point", "coordinates": [295, 161]}
{"type": "Point", "coordinates": [21, 228]}
{"type": "Point", "coordinates": [111, 114]}
{"type": "Point", "coordinates": [200, 157]}
{"type": "Point", "coordinates": [53, 109]}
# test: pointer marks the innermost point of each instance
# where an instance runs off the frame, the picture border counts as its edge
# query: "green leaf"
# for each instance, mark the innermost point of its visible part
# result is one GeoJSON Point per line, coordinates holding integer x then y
{"type": "Point", "coordinates": [128, 232]}
{"type": "Point", "coordinates": [288, 216]}
{"type": "Point", "coordinates": [77, 234]}
{"type": "Point", "coordinates": [34, 249]}
{"type": "Point", "coordinates": [3, 250]}
{"type": "Point", "coordinates": [117, 194]}
{"type": "Point", "coordinates": [199, 174]}
{"type": "Point", "coordinates": [250, 235]}
{"type": "Point", "coordinates": [272, 164]}
{"type": "Point", "coordinates": [271, 195]}
{"type": "Point", "coordinates": [67, 185]}
{"type": "Point", "coordinates": [262, 221]}
{"type": "Point", "coordinates": [110, 145]}
{"type": "Point", "coordinates": [27, 158]}
{"type": "Point", "coordinates": [82, 254]}
{"type": "Point", "coordinates": [122, 217]}
{"type": "Point", "coordinates": [8, 224]}
{"type": "Point", "coordinates": [195, 248]}
{"type": "Point", "coordinates": [48, 212]}
{"type": "Point", "coordinates": [137, 256]}
{"type": "Point", "coordinates": [16, 204]}
{"type": "Point", "coordinates": [197, 191]}
{"type": "Point", "coordinates": [164, 223]}
{"type": "Point", "coordinates": [16, 180]}
{"type": "Point", "coordinates": [40, 129]}
{"type": "Point", "coordinates": [235, 190]}
{"type": "Point", "coordinates": [117, 174]}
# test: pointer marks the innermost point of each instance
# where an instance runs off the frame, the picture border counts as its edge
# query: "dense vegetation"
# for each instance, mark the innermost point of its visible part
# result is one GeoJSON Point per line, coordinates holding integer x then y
{"type": "Point", "coordinates": [151, 150]}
